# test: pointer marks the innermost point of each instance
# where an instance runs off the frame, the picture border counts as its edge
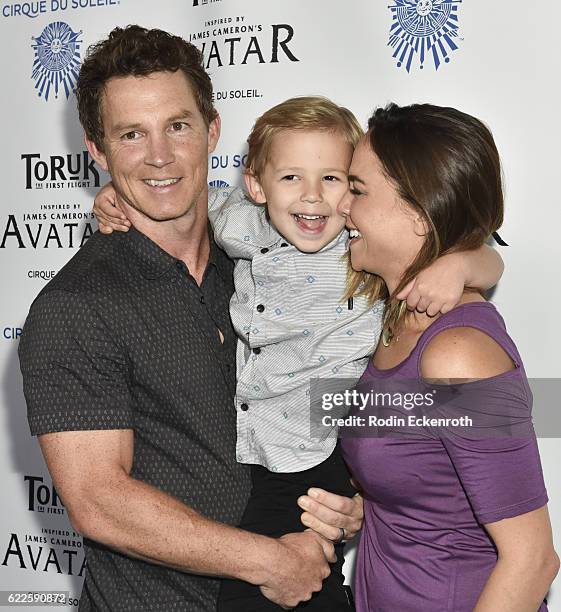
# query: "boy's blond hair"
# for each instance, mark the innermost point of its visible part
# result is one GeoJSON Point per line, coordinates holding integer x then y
{"type": "Point", "coordinates": [301, 113]}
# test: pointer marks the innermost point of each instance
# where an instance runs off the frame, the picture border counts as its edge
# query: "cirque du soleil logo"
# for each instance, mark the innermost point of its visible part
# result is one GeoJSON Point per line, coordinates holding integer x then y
{"type": "Point", "coordinates": [423, 31]}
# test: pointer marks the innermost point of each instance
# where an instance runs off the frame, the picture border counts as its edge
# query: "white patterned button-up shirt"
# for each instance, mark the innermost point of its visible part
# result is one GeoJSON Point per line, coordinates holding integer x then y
{"type": "Point", "coordinates": [292, 326]}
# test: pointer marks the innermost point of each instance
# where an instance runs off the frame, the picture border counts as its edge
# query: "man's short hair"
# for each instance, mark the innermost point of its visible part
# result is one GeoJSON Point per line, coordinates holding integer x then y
{"type": "Point", "coordinates": [136, 51]}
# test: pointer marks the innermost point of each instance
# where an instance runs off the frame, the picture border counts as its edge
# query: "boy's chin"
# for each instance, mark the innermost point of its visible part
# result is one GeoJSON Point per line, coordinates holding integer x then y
{"type": "Point", "coordinates": [313, 245]}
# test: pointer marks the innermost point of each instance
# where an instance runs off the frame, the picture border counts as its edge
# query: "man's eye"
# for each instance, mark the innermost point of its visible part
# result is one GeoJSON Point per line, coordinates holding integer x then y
{"type": "Point", "coordinates": [177, 126]}
{"type": "Point", "coordinates": [130, 136]}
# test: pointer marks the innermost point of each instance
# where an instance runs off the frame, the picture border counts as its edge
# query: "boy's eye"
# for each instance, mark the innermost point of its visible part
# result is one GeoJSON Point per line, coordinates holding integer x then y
{"type": "Point", "coordinates": [330, 178]}
{"type": "Point", "coordinates": [289, 177]}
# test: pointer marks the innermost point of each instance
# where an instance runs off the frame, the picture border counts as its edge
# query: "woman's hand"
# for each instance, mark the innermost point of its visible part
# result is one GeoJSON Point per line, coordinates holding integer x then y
{"type": "Point", "coordinates": [328, 513]}
{"type": "Point", "coordinates": [107, 212]}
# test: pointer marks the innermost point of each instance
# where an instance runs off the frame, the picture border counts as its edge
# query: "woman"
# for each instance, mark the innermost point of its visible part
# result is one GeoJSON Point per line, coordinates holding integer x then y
{"type": "Point", "coordinates": [454, 520]}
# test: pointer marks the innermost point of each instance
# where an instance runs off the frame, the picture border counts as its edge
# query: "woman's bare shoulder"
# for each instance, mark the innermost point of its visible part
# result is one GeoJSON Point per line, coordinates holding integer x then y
{"type": "Point", "coordinates": [464, 353]}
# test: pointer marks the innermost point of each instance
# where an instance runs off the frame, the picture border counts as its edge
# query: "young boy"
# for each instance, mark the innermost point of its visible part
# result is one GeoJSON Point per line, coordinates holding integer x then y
{"type": "Point", "coordinates": [289, 244]}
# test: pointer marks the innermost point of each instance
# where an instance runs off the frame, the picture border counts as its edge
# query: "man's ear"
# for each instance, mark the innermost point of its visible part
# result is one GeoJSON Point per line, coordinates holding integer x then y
{"type": "Point", "coordinates": [96, 153]}
{"type": "Point", "coordinates": [214, 128]}
{"type": "Point", "coordinates": [254, 188]}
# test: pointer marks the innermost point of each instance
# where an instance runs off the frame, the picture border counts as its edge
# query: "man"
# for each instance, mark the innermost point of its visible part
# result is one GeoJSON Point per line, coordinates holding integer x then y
{"type": "Point", "coordinates": [128, 360]}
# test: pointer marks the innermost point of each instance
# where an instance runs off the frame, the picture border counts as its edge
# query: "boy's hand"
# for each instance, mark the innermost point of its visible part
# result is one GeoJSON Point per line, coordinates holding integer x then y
{"type": "Point", "coordinates": [328, 513]}
{"type": "Point", "coordinates": [107, 212]}
{"type": "Point", "coordinates": [438, 288]}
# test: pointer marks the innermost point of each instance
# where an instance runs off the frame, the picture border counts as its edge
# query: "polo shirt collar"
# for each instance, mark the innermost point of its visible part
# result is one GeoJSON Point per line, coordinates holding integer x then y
{"type": "Point", "coordinates": [154, 262]}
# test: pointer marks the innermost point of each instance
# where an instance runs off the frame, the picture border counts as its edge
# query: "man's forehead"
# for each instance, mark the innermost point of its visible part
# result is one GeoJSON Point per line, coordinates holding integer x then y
{"type": "Point", "coordinates": [121, 93]}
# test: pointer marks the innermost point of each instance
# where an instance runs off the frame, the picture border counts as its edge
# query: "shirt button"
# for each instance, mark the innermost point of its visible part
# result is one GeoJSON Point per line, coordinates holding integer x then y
{"type": "Point", "coordinates": [260, 308]}
{"type": "Point", "coordinates": [264, 250]}
{"type": "Point", "coordinates": [284, 244]}
{"type": "Point", "coordinates": [244, 407]}
{"type": "Point", "coordinates": [256, 351]}
{"type": "Point", "coordinates": [179, 266]}
{"type": "Point", "coordinates": [202, 299]}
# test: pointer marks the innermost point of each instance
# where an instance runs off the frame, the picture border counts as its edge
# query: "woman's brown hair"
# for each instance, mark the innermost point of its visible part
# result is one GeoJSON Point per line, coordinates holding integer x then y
{"type": "Point", "coordinates": [443, 163]}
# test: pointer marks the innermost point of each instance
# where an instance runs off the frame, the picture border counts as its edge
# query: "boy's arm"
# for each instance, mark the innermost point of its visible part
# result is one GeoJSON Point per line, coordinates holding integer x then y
{"type": "Point", "coordinates": [237, 222]}
{"type": "Point", "coordinates": [483, 267]}
{"type": "Point", "coordinates": [439, 287]}
{"type": "Point", "coordinates": [108, 213]}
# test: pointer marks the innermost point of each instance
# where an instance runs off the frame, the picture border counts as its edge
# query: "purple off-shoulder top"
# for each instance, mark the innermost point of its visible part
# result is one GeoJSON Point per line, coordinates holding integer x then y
{"type": "Point", "coordinates": [426, 497]}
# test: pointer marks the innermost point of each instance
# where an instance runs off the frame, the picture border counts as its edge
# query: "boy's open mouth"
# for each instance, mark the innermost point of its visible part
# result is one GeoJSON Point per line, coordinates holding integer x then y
{"type": "Point", "coordinates": [310, 223]}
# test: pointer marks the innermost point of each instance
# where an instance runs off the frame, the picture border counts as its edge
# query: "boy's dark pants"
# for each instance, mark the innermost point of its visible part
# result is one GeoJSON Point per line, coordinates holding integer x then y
{"type": "Point", "coordinates": [272, 510]}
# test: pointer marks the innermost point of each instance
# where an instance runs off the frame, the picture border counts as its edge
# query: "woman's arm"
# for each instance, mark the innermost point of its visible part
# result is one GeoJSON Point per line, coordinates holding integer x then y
{"type": "Point", "coordinates": [526, 567]}
{"type": "Point", "coordinates": [527, 562]}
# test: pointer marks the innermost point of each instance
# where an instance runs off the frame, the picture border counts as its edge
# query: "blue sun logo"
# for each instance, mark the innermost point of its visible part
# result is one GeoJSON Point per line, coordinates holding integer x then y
{"type": "Point", "coordinates": [423, 29]}
{"type": "Point", "coordinates": [57, 60]}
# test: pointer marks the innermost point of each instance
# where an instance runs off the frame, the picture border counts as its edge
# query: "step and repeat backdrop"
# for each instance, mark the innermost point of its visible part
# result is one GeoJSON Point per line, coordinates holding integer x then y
{"type": "Point", "coordinates": [497, 60]}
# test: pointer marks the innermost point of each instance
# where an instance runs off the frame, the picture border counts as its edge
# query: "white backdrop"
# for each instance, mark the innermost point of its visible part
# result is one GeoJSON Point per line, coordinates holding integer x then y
{"type": "Point", "coordinates": [502, 67]}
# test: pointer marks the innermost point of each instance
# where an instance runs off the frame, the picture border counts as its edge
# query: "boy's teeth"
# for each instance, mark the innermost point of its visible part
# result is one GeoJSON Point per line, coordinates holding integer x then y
{"type": "Point", "coordinates": [354, 233]}
{"type": "Point", "coordinates": [163, 183]}
{"type": "Point", "coordinates": [310, 217]}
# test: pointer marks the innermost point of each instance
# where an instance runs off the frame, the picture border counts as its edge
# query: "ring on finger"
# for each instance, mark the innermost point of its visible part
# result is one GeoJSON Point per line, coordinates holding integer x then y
{"type": "Point", "coordinates": [341, 537]}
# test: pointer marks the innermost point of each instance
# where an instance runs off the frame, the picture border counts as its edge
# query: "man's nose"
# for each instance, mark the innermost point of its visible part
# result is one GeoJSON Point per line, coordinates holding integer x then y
{"type": "Point", "coordinates": [160, 151]}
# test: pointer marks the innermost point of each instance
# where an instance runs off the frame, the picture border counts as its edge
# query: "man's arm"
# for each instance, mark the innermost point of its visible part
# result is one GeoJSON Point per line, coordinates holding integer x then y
{"type": "Point", "coordinates": [75, 381]}
{"type": "Point", "coordinates": [90, 470]}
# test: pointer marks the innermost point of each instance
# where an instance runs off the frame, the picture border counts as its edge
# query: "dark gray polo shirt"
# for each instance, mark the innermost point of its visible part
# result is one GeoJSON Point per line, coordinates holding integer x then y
{"type": "Point", "coordinates": [124, 338]}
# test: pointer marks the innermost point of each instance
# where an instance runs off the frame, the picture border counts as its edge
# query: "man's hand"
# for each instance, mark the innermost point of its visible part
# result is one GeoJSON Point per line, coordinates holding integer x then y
{"type": "Point", "coordinates": [326, 513]}
{"type": "Point", "coordinates": [303, 565]}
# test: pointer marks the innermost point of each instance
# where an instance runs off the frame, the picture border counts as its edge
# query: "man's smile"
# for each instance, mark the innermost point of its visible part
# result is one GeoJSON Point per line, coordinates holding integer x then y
{"type": "Point", "coordinates": [161, 182]}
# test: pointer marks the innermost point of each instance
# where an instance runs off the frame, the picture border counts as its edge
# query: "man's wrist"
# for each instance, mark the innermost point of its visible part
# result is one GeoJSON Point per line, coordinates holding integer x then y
{"type": "Point", "coordinates": [262, 558]}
